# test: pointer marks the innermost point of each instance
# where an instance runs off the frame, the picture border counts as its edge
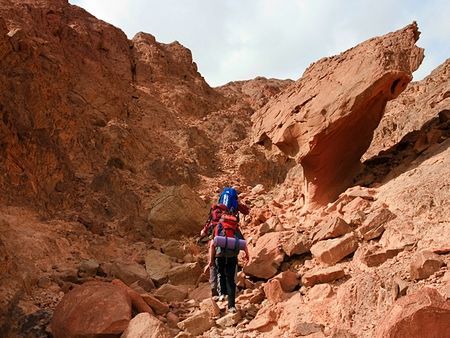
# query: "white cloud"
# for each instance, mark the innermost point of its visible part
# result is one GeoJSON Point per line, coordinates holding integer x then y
{"type": "Point", "coordinates": [233, 40]}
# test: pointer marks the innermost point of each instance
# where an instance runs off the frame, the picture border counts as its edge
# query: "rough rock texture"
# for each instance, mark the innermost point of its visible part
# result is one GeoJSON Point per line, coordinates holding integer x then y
{"type": "Point", "coordinates": [323, 275]}
{"type": "Point", "coordinates": [94, 126]}
{"type": "Point", "coordinates": [374, 225]}
{"type": "Point", "coordinates": [156, 305]}
{"type": "Point", "coordinates": [171, 293]}
{"type": "Point", "coordinates": [424, 264]}
{"type": "Point", "coordinates": [144, 325]}
{"type": "Point", "coordinates": [332, 251]}
{"type": "Point", "coordinates": [418, 104]}
{"type": "Point", "coordinates": [266, 256]}
{"type": "Point", "coordinates": [186, 274]}
{"type": "Point", "coordinates": [82, 140]}
{"type": "Point", "coordinates": [157, 265]}
{"type": "Point", "coordinates": [422, 314]}
{"type": "Point", "coordinates": [130, 273]}
{"type": "Point", "coordinates": [327, 118]}
{"type": "Point", "coordinates": [177, 211]}
{"type": "Point", "coordinates": [274, 291]}
{"type": "Point", "coordinates": [331, 228]}
{"type": "Point", "coordinates": [256, 92]}
{"type": "Point", "coordinates": [92, 309]}
{"type": "Point", "coordinates": [197, 324]}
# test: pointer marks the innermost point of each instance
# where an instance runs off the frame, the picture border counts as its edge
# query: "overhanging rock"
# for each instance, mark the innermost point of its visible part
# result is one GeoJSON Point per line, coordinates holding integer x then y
{"type": "Point", "coordinates": [327, 118]}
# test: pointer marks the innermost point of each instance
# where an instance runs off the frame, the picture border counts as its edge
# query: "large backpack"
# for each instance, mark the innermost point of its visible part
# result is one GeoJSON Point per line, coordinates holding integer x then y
{"type": "Point", "coordinates": [229, 197]}
{"type": "Point", "coordinates": [228, 227]}
{"type": "Point", "coordinates": [215, 214]}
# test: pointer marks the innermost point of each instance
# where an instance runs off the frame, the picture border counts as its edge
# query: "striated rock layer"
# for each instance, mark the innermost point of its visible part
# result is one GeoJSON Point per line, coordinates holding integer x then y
{"type": "Point", "coordinates": [327, 118]}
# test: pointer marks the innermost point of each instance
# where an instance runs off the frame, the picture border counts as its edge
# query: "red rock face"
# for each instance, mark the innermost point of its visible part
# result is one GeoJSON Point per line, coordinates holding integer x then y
{"type": "Point", "coordinates": [91, 310]}
{"type": "Point", "coordinates": [327, 118]}
{"type": "Point", "coordinates": [418, 104]}
{"type": "Point", "coordinates": [422, 314]}
{"type": "Point", "coordinates": [93, 124]}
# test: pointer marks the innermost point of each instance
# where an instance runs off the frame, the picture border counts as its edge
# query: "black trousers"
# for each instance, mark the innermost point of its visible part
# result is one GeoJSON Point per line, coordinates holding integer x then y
{"type": "Point", "coordinates": [226, 269]}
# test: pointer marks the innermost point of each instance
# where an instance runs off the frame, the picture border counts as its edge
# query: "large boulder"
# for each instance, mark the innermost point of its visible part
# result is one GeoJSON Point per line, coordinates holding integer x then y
{"type": "Point", "coordinates": [374, 225]}
{"type": "Point", "coordinates": [327, 118]}
{"type": "Point", "coordinates": [266, 256]}
{"type": "Point", "coordinates": [332, 227]}
{"type": "Point", "coordinates": [176, 212]}
{"type": "Point", "coordinates": [130, 272]}
{"type": "Point", "coordinates": [144, 325]}
{"type": "Point", "coordinates": [331, 251]}
{"type": "Point", "coordinates": [424, 264]}
{"type": "Point", "coordinates": [185, 274]}
{"type": "Point", "coordinates": [171, 293]}
{"type": "Point", "coordinates": [157, 265]}
{"type": "Point", "coordinates": [322, 275]}
{"type": "Point", "coordinates": [92, 310]}
{"type": "Point", "coordinates": [424, 313]}
{"type": "Point", "coordinates": [197, 323]}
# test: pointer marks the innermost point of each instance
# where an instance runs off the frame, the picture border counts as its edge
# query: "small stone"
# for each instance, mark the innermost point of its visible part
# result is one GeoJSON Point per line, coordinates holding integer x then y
{"type": "Point", "coordinates": [210, 306]}
{"type": "Point", "coordinates": [229, 319]}
{"type": "Point", "coordinates": [172, 319]}
{"type": "Point", "coordinates": [88, 268]}
{"type": "Point", "coordinates": [156, 305]}
{"type": "Point", "coordinates": [376, 258]}
{"type": "Point", "coordinates": [332, 227]}
{"type": "Point", "coordinates": [295, 243]}
{"type": "Point", "coordinates": [374, 226]}
{"type": "Point", "coordinates": [288, 280]}
{"type": "Point", "coordinates": [332, 251]}
{"type": "Point", "coordinates": [186, 274]}
{"type": "Point", "coordinates": [197, 323]}
{"type": "Point", "coordinates": [273, 291]}
{"type": "Point", "coordinates": [44, 282]}
{"type": "Point", "coordinates": [174, 248]}
{"type": "Point", "coordinates": [146, 325]}
{"type": "Point", "coordinates": [258, 189]}
{"type": "Point", "coordinates": [171, 293]}
{"type": "Point", "coordinates": [319, 292]}
{"type": "Point", "coordinates": [424, 264]}
{"type": "Point", "coordinates": [323, 275]}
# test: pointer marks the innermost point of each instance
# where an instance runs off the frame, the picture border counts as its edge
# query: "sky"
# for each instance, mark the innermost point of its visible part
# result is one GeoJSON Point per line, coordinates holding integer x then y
{"type": "Point", "coordinates": [240, 39]}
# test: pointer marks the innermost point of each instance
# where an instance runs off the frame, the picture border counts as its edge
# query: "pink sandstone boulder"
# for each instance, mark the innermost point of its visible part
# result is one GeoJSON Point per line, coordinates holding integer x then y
{"type": "Point", "coordinates": [144, 325]}
{"type": "Point", "coordinates": [326, 119]}
{"type": "Point", "coordinates": [331, 251]}
{"type": "Point", "coordinates": [424, 313]}
{"type": "Point", "coordinates": [274, 291]}
{"type": "Point", "coordinates": [424, 264]}
{"type": "Point", "coordinates": [288, 280]}
{"type": "Point", "coordinates": [177, 211]}
{"type": "Point", "coordinates": [322, 275]}
{"type": "Point", "coordinates": [91, 310]}
{"type": "Point", "coordinates": [266, 256]}
{"type": "Point", "coordinates": [332, 227]}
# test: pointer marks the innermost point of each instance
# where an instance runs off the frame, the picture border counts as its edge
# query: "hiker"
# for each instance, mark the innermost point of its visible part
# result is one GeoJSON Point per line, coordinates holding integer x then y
{"type": "Point", "coordinates": [215, 214]}
{"type": "Point", "coordinates": [228, 202]}
{"type": "Point", "coordinates": [223, 255]}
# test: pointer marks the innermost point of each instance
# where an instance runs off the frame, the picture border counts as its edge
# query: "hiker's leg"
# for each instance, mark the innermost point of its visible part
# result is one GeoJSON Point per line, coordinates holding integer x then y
{"type": "Point", "coordinates": [231, 283]}
{"type": "Point", "coordinates": [221, 274]}
{"type": "Point", "coordinates": [213, 280]}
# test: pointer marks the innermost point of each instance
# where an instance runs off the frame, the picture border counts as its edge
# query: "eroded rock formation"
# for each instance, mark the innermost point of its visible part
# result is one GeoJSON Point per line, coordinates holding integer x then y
{"type": "Point", "coordinates": [422, 314]}
{"type": "Point", "coordinates": [327, 118]}
{"type": "Point", "coordinates": [94, 126]}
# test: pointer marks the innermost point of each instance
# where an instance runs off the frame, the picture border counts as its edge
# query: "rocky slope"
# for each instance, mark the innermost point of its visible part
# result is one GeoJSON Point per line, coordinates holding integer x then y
{"type": "Point", "coordinates": [94, 129]}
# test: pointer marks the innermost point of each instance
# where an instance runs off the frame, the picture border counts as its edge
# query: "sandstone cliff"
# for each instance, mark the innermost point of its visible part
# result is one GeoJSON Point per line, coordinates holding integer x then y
{"type": "Point", "coordinates": [327, 118]}
{"type": "Point", "coordinates": [112, 148]}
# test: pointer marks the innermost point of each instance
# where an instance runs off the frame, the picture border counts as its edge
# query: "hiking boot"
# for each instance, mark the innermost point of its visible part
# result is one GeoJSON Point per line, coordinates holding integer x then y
{"type": "Point", "coordinates": [232, 310]}
{"type": "Point", "coordinates": [221, 298]}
